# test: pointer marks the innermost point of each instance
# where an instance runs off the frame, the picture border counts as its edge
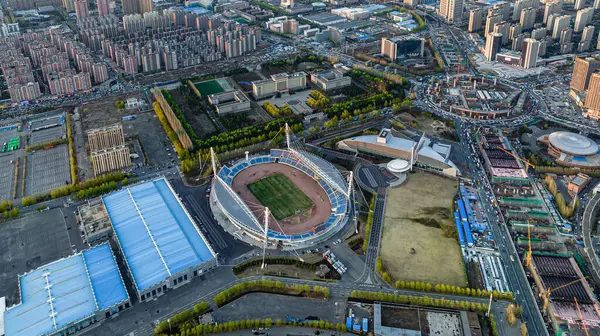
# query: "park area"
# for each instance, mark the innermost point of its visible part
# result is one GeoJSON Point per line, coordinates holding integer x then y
{"type": "Point", "coordinates": [280, 195]}
{"type": "Point", "coordinates": [418, 240]}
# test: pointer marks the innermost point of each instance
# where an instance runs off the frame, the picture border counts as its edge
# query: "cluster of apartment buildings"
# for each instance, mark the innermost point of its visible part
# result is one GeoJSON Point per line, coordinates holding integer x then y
{"type": "Point", "coordinates": [108, 151]}
{"type": "Point", "coordinates": [169, 40]}
{"type": "Point", "coordinates": [585, 85]}
{"type": "Point", "coordinates": [518, 29]}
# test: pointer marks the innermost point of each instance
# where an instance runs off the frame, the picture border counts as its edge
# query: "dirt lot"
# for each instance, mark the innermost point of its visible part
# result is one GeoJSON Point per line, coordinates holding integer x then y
{"type": "Point", "coordinates": [246, 78]}
{"type": "Point", "coordinates": [428, 125]}
{"type": "Point", "coordinates": [102, 113]}
{"type": "Point", "coordinates": [414, 247]}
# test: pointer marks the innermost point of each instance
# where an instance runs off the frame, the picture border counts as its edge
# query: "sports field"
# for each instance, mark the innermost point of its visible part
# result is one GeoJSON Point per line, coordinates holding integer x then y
{"type": "Point", "coordinates": [280, 195]}
{"type": "Point", "coordinates": [208, 87]}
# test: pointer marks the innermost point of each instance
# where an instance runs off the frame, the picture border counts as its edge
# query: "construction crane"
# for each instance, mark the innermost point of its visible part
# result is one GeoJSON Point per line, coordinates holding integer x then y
{"type": "Point", "coordinates": [527, 163]}
{"type": "Point", "coordinates": [546, 295]}
{"type": "Point", "coordinates": [581, 317]}
{"type": "Point", "coordinates": [528, 258]}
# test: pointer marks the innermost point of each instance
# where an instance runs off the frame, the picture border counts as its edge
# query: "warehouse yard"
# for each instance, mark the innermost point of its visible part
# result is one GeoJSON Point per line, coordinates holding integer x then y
{"type": "Point", "coordinates": [414, 246]}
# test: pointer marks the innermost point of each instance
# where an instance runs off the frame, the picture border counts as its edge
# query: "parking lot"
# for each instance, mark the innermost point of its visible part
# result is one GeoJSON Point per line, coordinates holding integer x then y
{"type": "Point", "coordinates": [7, 173]}
{"type": "Point", "coordinates": [47, 170]}
{"type": "Point", "coordinates": [153, 139]}
{"type": "Point", "coordinates": [47, 135]}
{"type": "Point", "coordinates": [27, 243]}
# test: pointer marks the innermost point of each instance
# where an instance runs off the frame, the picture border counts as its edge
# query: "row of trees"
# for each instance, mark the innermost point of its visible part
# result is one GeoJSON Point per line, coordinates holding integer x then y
{"type": "Point", "coordinates": [175, 107]}
{"type": "Point", "coordinates": [182, 318]}
{"type": "Point", "coordinates": [419, 301]}
{"type": "Point", "coordinates": [72, 158]}
{"type": "Point", "coordinates": [318, 100]}
{"type": "Point", "coordinates": [202, 329]}
{"type": "Point", "coordinates": [594, 172]}
{"type": "Point", "coordinates": [89, 184]}
{"type": "Point", "coordinates": [436, 54]}
{"type": "Point", "coordinates": [369, 223]}
{"type": "Point", "coordinates": [46, 144]}
{"type": "Point", "coordinates": [275, 112]}
{"type": "Point", "coordinates": [5, 205]}
{"type": "Point", "coordinates": [378, 83]}
{"type": "Point", "coordinates": [389, 76]}
{"type": "Point", "coordinates": [181, 151]}
{"type": "Point", "coordinates": [565, 210]}
{"type": "Point", "coordinates": [269, 286]}
{"type": "Point", "coordinates": [12, 213]}
{"type": "Point", "coordinates": [272, 260]}
{"type": "Point", "coordinates": [422, 26]}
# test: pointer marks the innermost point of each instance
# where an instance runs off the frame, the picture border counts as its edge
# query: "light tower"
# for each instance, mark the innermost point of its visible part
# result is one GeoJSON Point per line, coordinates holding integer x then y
{"type": "Point", "coordinates": [266, 221]}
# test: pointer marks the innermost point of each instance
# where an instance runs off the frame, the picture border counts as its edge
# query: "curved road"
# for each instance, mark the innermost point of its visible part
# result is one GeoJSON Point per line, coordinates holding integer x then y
{"type": "Point", "coordinates": [587, 223]}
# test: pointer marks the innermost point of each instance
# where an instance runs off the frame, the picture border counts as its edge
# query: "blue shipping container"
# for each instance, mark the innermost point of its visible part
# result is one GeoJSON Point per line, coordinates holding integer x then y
{"type": "Point", "coordinates": [348, 323]}
{"type": "Point", "coordinates": [461, 209]}
{"type": "Point", "coordinates": [459, 229]}
{"type": "Point", "coordinates": [356, 327]}
{"type": "Point", "coordinates": [365, 324]}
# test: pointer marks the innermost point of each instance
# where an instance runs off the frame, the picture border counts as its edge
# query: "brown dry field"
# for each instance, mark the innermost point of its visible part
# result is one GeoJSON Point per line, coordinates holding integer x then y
{"type": "Point", "coordinates": [437, 259]}
{"type": "Point", "coordinates": [295, 224]}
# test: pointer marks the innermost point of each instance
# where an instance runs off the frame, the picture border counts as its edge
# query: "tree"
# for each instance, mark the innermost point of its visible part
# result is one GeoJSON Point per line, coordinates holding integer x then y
{"type": "Point", "coordinates": [523, 329]}
{"type": "Point", "coordinates": [510, 315]}
{"type": "Point", "coordinates": [120, 104]}
{"type": "Point", "coordinates": [378, 265]}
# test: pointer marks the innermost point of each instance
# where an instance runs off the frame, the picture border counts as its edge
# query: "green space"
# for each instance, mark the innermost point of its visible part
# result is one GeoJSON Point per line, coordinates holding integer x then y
{"type": "Point", "coordinates": [208, 87]}
{"type": "Point", "coordinates": [282, 197]}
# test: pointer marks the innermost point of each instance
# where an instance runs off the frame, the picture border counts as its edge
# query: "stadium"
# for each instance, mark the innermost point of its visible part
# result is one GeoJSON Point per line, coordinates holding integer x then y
{"type": "Point", "coordinates": [307, 197]}
{"type": "Point", "coordinates": [572, 149]}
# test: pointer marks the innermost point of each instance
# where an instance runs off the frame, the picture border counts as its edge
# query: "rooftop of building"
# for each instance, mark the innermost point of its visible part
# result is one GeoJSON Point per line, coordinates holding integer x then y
{"type": "Point", "coordinates": [94, 217]}
{"type": "Point", "coordinates": [155, 232]}
{"type": "Point", "coordinates": [573, 143]}
{"type": "Point", "coordinates": [66, 291]}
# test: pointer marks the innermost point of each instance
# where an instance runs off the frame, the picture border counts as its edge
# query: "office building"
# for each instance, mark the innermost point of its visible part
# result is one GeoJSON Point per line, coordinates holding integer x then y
{"type": "Point", "coordinates": [579, 4]}
{"type": "Point", "coordinates": [527, 19]}
{"type": "Point", "coordinates": [82, 9]}
{"type": "Point", "coordinates": [475, 19]}
{"type": "Point", "coordinates": [110, 160]}
{"type": "Point", "coordinates": [229, 102]}
{"type": "Point", "coordinates": [559, 24]}
{"type": "Point", "coordinates": [529, 55]}
{"type": "Point", "coordinates": [282, 82]}
{"type": "Point", "coordinates": [583, 18]}
{"type": "Point", "coordinates": [398, 47]}
{"type": "Point", "coordinates": [103, 7]}
{"type": "Point", "coordinates": [451, 10]}
{"type": "Point", "coordinates": [582, 72]}
{"type": "Point", "coordinates": [490, 21]}
{"type": "Point", "coordinates": [504, 29]}
{"type": "Point", "coordinates": [492, 45]}
{"type": "Point", "coordinates": [330, 80]}
{"type": "Point", "coordinates": [105, 137]}
{"type": "Point", "coordinates": [136, 6]}
{"type": "Point", "coordinates": [552, 7]}
{"type": "Point", "coordinates": [566, 35]}
{"type": "Point", "coordinates": [515, 30]}
{"type": "Point", "coordinates": [592, 101]}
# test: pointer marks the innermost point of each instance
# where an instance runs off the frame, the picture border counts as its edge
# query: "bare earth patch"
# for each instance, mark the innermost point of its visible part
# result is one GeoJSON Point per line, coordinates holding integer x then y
{"type": "Point", "coordinates": [414, 246]}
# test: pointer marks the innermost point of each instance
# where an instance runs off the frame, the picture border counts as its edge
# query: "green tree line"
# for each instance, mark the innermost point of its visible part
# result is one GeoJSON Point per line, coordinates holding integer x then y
{"type": "Point", "coordinates": [72, 158]}
{"type": "Point", "coordinates": [182, 152]}
{"type": "Point", "coordinates": [272, 260]}
{"type": "Point", "coordinates": [175, 107]}
{"type": "Point", "coordinates": [46, 144]}
{"type": "Point", "coordinates": [269, 286]}
{"type": "Point", "coordinates": [369, 223]}
{"type": "Point", "coordinates": [419, 301]}
{"type": "Point", "coordinates": [184, 317]}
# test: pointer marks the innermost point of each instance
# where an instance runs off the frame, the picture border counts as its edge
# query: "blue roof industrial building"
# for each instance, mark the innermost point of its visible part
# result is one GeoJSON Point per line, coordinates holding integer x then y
{"type": "Point", "coordinates": [68, 294]}
{"type": "Point", "coordinates": [161, 245]}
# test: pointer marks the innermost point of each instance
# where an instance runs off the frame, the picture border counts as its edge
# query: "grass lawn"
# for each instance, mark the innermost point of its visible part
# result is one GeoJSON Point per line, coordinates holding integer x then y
{"type": "Point", "coordinates": [208, 87]}
{"type": "Point", "coordinates": [414, 245]}
{"type": "Point", "coordinates": [282, 197]}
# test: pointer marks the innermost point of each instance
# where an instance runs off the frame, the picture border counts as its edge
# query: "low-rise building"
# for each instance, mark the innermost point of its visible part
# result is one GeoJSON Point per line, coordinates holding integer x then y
{"type": "Point", "coordinates": [229, 102]}
{"type": "Point", "coordinates": [330, 80]}
{"type": "Point", "coordinates": [282, 82]}
{"type": "Point", "coordinates": [578, 183]}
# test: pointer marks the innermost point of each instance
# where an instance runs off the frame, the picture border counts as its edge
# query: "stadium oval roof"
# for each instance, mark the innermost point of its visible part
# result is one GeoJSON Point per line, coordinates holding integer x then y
{"type": "Point", "coordinates": [573, 143]}
{"type": "Point", "coordinates": [155, 232]}
{"type": "Point", "coordinates": [66, 291]}
{"type": "Point", "coordinates": [398, 166]}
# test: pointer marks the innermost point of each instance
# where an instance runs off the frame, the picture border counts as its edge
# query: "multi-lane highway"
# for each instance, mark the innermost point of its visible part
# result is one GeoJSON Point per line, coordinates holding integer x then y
{"type": "Point", "coordinates": [513, 269]}
{"type": "Point", "coordinates": [588, 220]}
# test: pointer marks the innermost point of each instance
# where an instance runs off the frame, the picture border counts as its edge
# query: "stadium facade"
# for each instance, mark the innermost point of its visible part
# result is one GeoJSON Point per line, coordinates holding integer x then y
{"type": "Point", "coordinates": [161, 246]}
{"type": "Point", "coordinates": [572, 149]}
{"type": "Point", "coordinates": [236, 218]}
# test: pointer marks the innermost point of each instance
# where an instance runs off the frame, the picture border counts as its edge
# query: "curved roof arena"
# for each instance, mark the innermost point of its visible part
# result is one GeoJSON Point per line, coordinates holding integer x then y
{"type": "Point", "coordinates": [573, 143]}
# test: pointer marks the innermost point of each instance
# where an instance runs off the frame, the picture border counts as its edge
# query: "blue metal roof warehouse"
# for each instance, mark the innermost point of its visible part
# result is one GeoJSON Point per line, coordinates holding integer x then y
{"type": "Point", "coordinates": [66, 292]}
{"type": "Point", "coordinates": [155, 233]}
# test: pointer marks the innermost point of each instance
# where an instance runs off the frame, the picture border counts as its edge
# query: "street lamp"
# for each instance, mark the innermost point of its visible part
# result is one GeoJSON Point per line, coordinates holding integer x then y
{"type": "Point", "coordinates": [169, 320]}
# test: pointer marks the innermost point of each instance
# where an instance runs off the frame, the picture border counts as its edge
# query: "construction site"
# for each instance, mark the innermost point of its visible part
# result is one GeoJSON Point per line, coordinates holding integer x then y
{"type": "Point", "coordinates": [566, 299]}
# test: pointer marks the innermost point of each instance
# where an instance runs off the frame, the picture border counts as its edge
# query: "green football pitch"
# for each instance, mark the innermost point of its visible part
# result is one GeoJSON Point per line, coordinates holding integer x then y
{"type": "Point", "coordinates": [208, 87]}
{"type": "Point", "coordinates": [282, 196]}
